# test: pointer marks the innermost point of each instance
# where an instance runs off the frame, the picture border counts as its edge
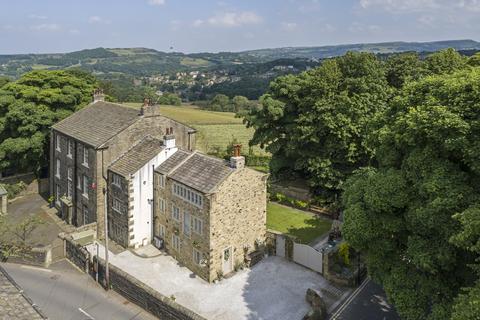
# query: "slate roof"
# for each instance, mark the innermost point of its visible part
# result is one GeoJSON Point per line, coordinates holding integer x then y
{"type": "Point", "coordinates": [174, 160]}
{"type": "Point", "coordinates": [97, 123]}
{"type": "Point", "coordinates": [135, 158]}
{"type": "Point", "coordinates": [196, 170]}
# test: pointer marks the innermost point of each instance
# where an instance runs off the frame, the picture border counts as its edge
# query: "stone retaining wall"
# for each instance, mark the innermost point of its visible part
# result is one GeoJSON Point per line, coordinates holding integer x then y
{"type": "Point", "coordinates": [78, 255]}
{"type": "Point", "coordinates": [142, 295]}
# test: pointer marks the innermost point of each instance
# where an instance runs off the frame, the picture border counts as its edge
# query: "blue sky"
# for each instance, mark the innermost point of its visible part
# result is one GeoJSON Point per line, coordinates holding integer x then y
{"type": "Point", "coordinates": [31, 26]}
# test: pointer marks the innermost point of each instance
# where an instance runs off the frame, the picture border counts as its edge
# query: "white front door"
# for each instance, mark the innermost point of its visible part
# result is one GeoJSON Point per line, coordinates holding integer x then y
{"type": "Point", "coordinates": [227, 260]}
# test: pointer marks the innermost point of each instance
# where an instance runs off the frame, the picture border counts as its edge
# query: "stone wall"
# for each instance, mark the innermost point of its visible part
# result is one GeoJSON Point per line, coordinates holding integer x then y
{"type": "Point", "coordinates": [118, 226]}
{"type": "Point", "coordinates": [142, 295]}
{"type": "Point", "coordinates": [78, 255]}
{"type": "Point", "coordinates": [238, 217]}
{"type": "Point", "coordinates": [188, 242]}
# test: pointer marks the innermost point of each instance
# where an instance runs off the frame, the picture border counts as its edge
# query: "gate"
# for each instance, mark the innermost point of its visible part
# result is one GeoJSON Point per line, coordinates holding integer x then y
{"type": "Point", "coordinates": [280, 246]}
{"type": "Point", "coordinates": [307, 256]}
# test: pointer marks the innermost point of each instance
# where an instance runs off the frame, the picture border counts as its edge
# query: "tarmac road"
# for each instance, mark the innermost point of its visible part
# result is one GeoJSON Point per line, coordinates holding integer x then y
{"type": "Point", "coordinates": [63, 292]}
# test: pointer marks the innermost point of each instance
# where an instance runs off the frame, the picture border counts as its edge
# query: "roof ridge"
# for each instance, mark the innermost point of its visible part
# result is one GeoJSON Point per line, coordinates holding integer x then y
{"type": "Point", "coordinates": [181, 162]}
{"type": "Point", "coordinates": [129, 149]}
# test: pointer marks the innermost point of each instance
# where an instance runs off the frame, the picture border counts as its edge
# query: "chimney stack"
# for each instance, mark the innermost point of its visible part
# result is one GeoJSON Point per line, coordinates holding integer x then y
{"type": "Point", "coordinates": [146, 103]}
{"type": "Point", "coordinates": [237, 161]}
{"type": "Point", "coordinates": [98, 95]}
{"type": "Point", "coordinates": [169, 138]}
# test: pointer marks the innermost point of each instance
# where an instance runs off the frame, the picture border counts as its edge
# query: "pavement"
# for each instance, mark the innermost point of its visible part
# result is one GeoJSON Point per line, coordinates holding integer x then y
{"type": "Point", "coordinates": [274, 289]}
{"type": "Point", "coordinates": [63, 292]}
{"type": "Point", "coordinates": [14, 304]}
{"type": "Point", "coordinates": [368, 302]}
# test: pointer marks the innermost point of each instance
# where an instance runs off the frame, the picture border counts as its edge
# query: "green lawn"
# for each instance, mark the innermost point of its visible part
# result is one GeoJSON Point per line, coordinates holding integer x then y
{"type": "Point", "coordinates": [215, 129]}
{"type": "Point", "coordinates": [302, 225]}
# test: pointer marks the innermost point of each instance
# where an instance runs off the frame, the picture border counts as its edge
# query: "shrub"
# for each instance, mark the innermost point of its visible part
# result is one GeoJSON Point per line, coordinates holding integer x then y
{"type": "Point", "coordinates": [14, 189]}
{"type": "Point", "coordinates": [344, 253]}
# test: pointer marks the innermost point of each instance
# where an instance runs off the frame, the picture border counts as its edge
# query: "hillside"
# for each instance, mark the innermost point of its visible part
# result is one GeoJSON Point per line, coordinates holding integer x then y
{"type": "Point", "coordinates": [199, 76]}
{"type": "Point", "coordinates": [146, 62]}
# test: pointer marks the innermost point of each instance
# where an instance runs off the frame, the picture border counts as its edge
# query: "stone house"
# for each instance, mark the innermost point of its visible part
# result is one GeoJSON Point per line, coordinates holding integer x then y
{"type": "Point", "coordinates": [85, 144]}
{"type": "Point", "coordinates": [209, 214]}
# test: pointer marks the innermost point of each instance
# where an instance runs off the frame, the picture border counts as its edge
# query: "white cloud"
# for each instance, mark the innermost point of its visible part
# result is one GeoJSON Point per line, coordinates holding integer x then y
{"type": "Point", "coordinates": [98, 19]}
{"type": "Point", "coordinates": [198, 23]}
{"type": "Point", "coordinates": [46, 27]}
{"type": "Point", "coordinates": [232, 19]}
{"type": "Point", "coordinates": [289, 26]}
{"type": "Point", "coordinates": [421, 5]}
{"type": "Point", "coordinates": [37, 16]}
{"type": "Point", "coordinates": [156, 2]}
{"type": "Point", "coordinates": [362, 28]}
{"type": "Point", "coordinates": [74, 31]}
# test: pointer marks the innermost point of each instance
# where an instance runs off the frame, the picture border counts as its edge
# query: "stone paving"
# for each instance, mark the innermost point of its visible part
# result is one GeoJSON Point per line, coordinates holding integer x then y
{"type": "Point", "coordinates": [274, 289]}
{"type": "Point", "coordinates": [13, 304]}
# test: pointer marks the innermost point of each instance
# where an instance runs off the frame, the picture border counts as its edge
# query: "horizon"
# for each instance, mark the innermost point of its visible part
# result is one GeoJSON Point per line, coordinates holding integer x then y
{"type": "Point", "coordinates": [53, 26]}
{"type": "Point", "coordinates": [240, 51]}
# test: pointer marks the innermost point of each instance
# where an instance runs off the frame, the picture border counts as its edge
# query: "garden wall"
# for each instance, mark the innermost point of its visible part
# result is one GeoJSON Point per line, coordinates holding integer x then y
{"type": "Point", "coordinates": [78, 255]}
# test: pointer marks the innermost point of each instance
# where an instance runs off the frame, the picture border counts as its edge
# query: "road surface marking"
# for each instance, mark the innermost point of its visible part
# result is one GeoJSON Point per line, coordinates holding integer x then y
{"type": "Point", "coordinates": [36, 268]}
{"type": "Point", "coordinates": [350, 299]}
{"type": "Point", "coordinates": [86, 314]}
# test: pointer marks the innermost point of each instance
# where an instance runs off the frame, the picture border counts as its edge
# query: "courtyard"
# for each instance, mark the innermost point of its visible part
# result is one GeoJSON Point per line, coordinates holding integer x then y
{"type": "Point", "coordinates": [273, 289]}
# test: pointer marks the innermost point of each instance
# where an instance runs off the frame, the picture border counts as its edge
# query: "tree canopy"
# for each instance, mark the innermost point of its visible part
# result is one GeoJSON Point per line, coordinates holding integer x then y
{"type": "Point", "coordinates": [315, 123]}
{"type": "Point", "coordinates": [416, 216]}
{"type": "Point", "coordinates": [29, 106]}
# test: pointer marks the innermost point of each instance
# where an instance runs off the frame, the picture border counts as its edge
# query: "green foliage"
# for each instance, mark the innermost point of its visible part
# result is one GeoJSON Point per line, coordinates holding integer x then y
{"type": "Point", "coordinates": [445, 61]}
{"type": "Point", "coordinates": [404, 67]}
{"type": "Point", "coordinates": [30, 106]}
{"type": "Point", "coordinates": [14, 189]}
{"type": "Point", "coordinates": [344, 253]}
{"type": "Point", "coordinates": [415, 217]}
{"type": "Point", "coordinates": [169, 99]}
{"type": "Point", "coordinates": [316, 123]}
{"type": "Point", "coordinates": [283, 199]}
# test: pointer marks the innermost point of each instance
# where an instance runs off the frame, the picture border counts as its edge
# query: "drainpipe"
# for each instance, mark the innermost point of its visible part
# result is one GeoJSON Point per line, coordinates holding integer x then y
{"type": "Point", "coordinates": [107, 277]}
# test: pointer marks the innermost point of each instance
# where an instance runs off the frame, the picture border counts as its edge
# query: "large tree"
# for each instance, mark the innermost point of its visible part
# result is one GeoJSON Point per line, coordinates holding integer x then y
{"type": "Point", "coordinates": [29, 106]}
{"type": "Point", "coordinates": [416, 217]}
{"type": "Point", "coordinates": [315, 123]}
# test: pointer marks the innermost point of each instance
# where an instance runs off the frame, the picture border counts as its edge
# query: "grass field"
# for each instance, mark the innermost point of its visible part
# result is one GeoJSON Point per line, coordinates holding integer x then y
{"type": "Point", "coordinates": [215, 129]}
{"type": "Point", "coordinates": [302, 225]}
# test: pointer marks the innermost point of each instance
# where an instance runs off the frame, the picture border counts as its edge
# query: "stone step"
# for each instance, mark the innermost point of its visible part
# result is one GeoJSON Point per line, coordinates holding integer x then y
{"type": "Point", "coordinates": [332, 291]}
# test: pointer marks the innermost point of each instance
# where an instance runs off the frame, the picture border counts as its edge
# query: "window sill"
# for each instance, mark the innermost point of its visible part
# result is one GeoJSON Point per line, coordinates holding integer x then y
{"type": "Point", "coordinates": [69, 156]}
{"type": "Point", "coordinates": [57, 176]}
{"type": "Point", "coordinates": [85, 195]}
{"type": "Point", "coordinates": [85, 165]}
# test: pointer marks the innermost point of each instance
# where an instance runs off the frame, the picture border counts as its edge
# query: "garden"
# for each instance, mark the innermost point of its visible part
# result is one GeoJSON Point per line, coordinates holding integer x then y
{"type": "Point", "coordinates": [303, 226]}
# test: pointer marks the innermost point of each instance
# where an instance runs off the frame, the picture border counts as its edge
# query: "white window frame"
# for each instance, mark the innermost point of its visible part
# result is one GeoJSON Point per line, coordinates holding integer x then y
{"type": "Point", "coordinates": [118, 206]}
{"type": "Point", "coordinates": [69, 182]}
{"type": "Point", "coordinates": [161, 205]}
{"type": "Point", "coordinates": [79, 181]}
{"type": "Point", "coordinates": [85, 157]}
{"type": "Point", "coordinates": [85, 186]}
{"type": "Point", "coordinates": [187, 194]}
{"type": "Point", "coordinates": [176, 213]}
{"type": "Point", "coordinates": [69, 148]}
{"type": "Point", "coordinates": [162, 231]}
{"type": "Point", "coordinates": [57, 169]}
{"type": "Point", "coordinates": [197, 225]}
{"type": "Point", "coordinates": [187, 220]}
{"type": "Point", "coordinates": [116, 180]}
{"type": "Point", "coordinates": [57, 142]}
{"type": "Point", "coordinates": [197, 254]}
{"type": "Point", "coordinates": [161, 181]}
{"type": "Point", "coordinates": [57, 194]}
{"type": "Point", "coordinates": [176, 242]}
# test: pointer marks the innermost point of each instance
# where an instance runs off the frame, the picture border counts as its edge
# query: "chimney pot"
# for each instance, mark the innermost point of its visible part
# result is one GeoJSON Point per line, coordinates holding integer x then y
{"type": "Point", "coordinates": [237, 161]}
{"type": "Point", "coordinates": [98, 95]}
